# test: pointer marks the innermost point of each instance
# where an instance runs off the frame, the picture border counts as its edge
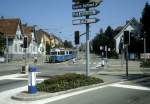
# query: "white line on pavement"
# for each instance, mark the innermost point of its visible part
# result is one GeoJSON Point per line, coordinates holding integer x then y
{"type": "Point", "coordinates": [6, 95]}
{"type": "Point", "coordinates": [37, 79]}
{"type": "Point", "coordinates": [48, 100]}
{"type": "Point", "coordinates": [11, 76]}
{"type": "Point", "coordinates": [130, 87]}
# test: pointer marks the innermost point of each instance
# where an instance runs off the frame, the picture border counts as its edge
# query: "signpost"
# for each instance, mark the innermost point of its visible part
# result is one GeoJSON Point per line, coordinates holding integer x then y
{"type": "Point", "coordinates": [87, 5]}
{"type": "Point", "coordinates": [84, 21]}
{"type": "Point", "coordinates": [85, 13]}
{"type": "Point", "coordinates": [82, 4]}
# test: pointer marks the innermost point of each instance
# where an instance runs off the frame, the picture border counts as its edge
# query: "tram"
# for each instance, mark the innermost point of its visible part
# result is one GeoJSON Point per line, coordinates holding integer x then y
{"type": "Point", "coordinates": [61, 55]}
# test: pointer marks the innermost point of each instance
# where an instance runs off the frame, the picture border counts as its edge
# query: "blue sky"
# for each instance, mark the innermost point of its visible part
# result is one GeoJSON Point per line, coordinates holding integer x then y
{"type": "Point", "coordinates": [56, 15]}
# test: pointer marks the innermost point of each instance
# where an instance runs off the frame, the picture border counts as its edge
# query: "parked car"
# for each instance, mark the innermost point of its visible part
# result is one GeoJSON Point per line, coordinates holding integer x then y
{"type": "Point", "coordinates": [2, 59]}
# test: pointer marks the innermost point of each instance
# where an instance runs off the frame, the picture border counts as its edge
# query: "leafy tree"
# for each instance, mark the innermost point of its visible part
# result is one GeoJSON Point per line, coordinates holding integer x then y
{"type": "Point", "coordinates": [110, 34]}
{"type": "Point", "coordinates": [104, 39]}
{"type": "Point", "coordinates": [146, 25]}
{"type": "Point", "coordinates": [68, 44]}
{"type": "Point", "coordinates": [2, 44]}
{"type": "Point", "coordinates": [48, 48]}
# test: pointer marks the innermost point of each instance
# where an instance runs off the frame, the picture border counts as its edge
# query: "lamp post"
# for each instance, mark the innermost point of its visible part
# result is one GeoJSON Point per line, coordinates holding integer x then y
{"type": "Point", "coordinates": [7, 49]}
{"type": "Point", "coordinates": [144, 39]}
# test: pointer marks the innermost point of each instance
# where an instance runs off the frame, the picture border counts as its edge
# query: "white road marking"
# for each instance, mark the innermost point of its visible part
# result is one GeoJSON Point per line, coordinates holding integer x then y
{"type": "Point", "coordinates": [37, 79]}
{"type": "Point", "coordinates": [52, 99]}
{"type": "Point", "coordinates": [12, 76]}
{"type": "Point", "coordinates": [94, 63]}
{"type": "Point", "coordinates": [130, 87]}
{"type": "Point", "coordinates": [6, 95]}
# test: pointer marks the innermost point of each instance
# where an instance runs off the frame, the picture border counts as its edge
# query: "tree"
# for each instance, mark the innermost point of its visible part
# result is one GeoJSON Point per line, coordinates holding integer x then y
{"type": "Point", "coordinates": [104, 39]}
{"type": "Point", "coordinates": [146, 25]}
{"type": "Point", "coordinates": [109, 32]}
{"type": "Point", "coordinates": [2, 44]}
{"type": "Point", "coordinates": [68, 44]}
{"type": "Point", "coordinates": [48, 48]}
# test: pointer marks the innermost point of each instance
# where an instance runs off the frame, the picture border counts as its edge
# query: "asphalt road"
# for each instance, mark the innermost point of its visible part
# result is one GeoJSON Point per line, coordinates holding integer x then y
{"type": "Point", "coordinates": [46, 70]}
{"type": "Point", "coordinates": [11, 84]}
{"type": "Point", "coordinates": [108, 95]}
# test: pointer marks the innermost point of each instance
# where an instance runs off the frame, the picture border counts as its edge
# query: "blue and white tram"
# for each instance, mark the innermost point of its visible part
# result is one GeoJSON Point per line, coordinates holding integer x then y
{"type": "Point", "coordinates": [60, 55]}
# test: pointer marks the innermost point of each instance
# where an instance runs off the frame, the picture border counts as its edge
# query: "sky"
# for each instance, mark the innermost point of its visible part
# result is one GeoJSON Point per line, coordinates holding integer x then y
{"type": "Point", "coordinates": [55, 16]}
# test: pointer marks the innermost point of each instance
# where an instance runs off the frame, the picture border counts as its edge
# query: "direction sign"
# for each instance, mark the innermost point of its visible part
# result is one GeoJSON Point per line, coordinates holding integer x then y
{"type": "Point", "coordinates": [87, 5]}
{"type": "Point", "coordinates": [85, 13]}
{"type": "Point", "coordinates": [84, 21]}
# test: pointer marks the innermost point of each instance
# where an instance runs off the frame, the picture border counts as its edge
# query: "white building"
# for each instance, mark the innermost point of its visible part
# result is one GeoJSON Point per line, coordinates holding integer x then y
{"type": "Point", "coordinates": [32, 48]}
{"type": "Point", "coordinates": [11, 28]}
{"type": "Point", "coordinates": [130, 26]}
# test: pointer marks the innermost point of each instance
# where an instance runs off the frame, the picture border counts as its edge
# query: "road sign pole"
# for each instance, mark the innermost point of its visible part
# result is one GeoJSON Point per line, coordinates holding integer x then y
{"type": "Point", "coordinates": [87, 47]}
{"type": "Point", "coordinates": [127, 61]}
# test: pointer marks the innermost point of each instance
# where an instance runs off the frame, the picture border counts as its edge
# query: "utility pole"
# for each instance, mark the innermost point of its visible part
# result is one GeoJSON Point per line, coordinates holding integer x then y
{"type": "Point", "coordinates": [85, 4]}
{"type": "Point", "coordinates": [144, 47]}
{"type": "Point", "coordinates": [127, 61]}
{"type": "Point", "coordinates": [87, 46]}
{"type": "Point", "coordinates": [7, 49]}
{"type": "Point", "coordinates": [126, 43]}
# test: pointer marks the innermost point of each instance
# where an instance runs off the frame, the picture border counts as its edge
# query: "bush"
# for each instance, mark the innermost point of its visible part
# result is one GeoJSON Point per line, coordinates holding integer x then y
{"type": "Point", "coordinates": [145, 64]}
{"type": "Point", "coordinates": [67, 81]}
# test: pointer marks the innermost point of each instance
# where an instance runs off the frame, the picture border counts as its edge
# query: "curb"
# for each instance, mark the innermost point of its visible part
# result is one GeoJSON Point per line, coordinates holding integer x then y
{"type": "Point", "coordinates": [24, 96]}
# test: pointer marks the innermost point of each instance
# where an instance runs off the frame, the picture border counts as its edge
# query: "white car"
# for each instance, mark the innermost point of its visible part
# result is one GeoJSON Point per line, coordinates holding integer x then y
{"type": "Point", "coordinates": [2, 59]}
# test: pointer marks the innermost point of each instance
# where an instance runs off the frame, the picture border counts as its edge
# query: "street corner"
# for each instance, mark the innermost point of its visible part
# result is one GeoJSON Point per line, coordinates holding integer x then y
{"type": "Point", "coordinates": [26, 96]}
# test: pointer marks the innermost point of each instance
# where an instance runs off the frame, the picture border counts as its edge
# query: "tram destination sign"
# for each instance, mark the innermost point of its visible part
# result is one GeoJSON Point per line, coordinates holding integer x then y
{"type": "Point", "coordinates": [84, 21]}
{"type": "Point", "coordinates": [85, 13]}
{"type": "Point", "coordinates": [87, 5]}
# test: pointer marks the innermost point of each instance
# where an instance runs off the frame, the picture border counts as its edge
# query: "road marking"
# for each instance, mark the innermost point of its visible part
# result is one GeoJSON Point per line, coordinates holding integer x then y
{"type": "Point", "coordinates": [12, 76]}
{"type": "Point", "coordinates": [52, 99]}
{"type": "Point", "coordinates": [7, 94]}
{"type": "Point", "coordinates": [37, 79]}
{"type": "Point", "coordinates": [130, 87]}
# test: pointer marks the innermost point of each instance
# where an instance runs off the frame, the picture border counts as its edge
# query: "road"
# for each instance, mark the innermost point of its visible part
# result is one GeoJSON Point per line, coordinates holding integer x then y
{"type": "Point", "coordinates": [108, 95]}
{"type": "Point", "coordinates": [45, 69]}
{"type": "Point", "coordinates": [124, 93]}
{"type": "Point", "coordinates": [127, 92]}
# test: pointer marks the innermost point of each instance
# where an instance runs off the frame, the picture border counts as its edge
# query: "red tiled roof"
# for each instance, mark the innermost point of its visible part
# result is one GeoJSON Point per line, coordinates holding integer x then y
{"type": "Point", "coordinates": [9, 26]}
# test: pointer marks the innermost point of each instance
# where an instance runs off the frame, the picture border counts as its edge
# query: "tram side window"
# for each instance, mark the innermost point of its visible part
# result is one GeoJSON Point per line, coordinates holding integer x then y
{"type": "Point", "coordinates": [53, 53]}
{"type": "Point", "coordinates": [62, 52]}
{"type": "Point", "coordinates": [70, 52]}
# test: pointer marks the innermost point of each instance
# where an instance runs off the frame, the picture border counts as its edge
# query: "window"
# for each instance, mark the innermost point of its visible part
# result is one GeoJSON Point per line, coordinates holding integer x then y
{"type": "Point", "coordinates": [62, 52]}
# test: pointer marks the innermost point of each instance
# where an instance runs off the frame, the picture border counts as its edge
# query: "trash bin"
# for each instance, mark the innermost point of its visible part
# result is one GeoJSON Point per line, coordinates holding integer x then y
{"type": "Point", "coordinates": [24, 69]}
{"type": "Point", "coordinates": [32, 79]}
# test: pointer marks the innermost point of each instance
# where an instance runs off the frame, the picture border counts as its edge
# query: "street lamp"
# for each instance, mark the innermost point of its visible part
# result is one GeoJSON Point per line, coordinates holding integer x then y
{"type": "Point", "coordinates": [144, 46]}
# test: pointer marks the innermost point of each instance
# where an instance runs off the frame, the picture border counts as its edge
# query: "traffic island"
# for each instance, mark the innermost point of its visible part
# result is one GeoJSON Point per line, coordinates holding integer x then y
{"type": "Point", "coordinates": [25, 96]}
{"type": "Point", "coordinates": [58, 85]}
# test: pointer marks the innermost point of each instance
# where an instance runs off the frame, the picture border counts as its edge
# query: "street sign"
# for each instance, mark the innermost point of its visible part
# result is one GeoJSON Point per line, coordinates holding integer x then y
{"type": "Point", "coordinates": [85, 13]}
{"type": "Point", "coordinates": [84, 21]}
{"type": "Point", "coordinates": [87, 5]}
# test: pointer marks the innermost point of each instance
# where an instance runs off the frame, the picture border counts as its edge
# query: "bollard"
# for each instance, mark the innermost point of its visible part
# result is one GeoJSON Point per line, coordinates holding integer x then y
{"type": "Point", "coordinates": [32, 80]}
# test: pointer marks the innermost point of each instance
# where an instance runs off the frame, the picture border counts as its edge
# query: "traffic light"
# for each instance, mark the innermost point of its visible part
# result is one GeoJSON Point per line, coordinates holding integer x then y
{"type": "Point", "coordinates": [25, 42]}
{"type": "Point", "coordinates": [126, 37]}
{"type": "Point", "coordinates": [77, 37]}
